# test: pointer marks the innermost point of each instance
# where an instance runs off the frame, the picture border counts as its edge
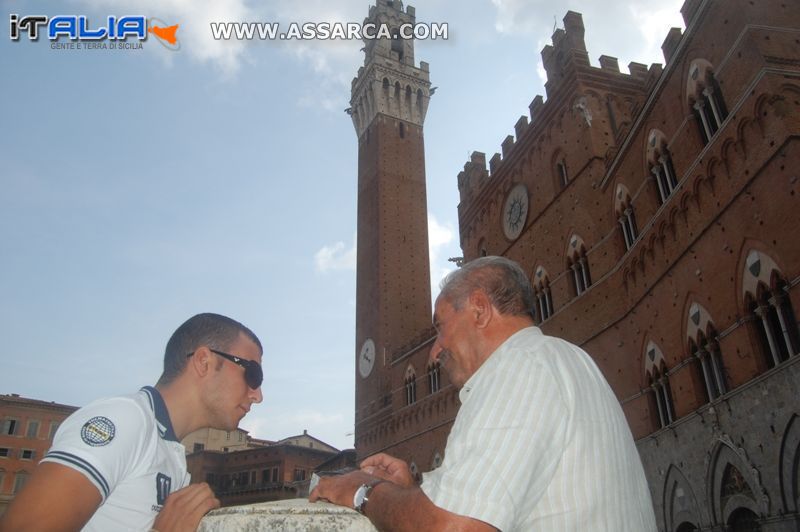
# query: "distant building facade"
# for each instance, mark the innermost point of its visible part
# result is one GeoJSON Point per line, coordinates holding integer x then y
{"type": "Point", "coordinates": [654, 212]}
{"type": "Point", "coordinates": [217, 440]}
{"type": "Point", "coordinates": [275, 471]}
{"type": "Point", "coordinates": [27, 427]}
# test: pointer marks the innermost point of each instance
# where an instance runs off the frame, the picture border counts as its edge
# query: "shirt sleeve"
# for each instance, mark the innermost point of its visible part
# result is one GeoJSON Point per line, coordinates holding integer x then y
{"type": "Point", "coordinates": [103, 441]}
{"type": "Point", "coordinates": [505, 446]}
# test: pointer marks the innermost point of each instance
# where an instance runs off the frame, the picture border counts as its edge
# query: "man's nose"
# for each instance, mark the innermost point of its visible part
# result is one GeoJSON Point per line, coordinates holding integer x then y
{"type": "Point", "coordinates": [436, 350]}
{"type": "Point", "coordinates": [255, 395]}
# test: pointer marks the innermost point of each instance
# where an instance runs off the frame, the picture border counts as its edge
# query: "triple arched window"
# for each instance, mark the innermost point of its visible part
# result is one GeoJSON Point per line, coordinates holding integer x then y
{"type": "Point", "coordinates": [625, 216]}
{"type": "Point", "coordinates": [411, 385]}
{"type": "Point", "coordinates": [434, 377]}
{"type": "Point", "coordinates": [578, 266]}
{"type": "Point", "coordinates": [543, 304]}
{"type": "Point", "coordinates": [770, 309]}
{"type": "Point", "coordinates": [659, 163]}
{"type": "Point", "coordinates": [705, 351]}
{"type": "Point", "coordinates": [705, 98]}
{"type": "Point", "coordinates": [658, 383]}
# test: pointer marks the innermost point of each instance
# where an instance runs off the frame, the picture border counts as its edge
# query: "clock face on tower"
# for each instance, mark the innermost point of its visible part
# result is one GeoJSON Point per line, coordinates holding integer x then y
{"type": "Point", "coordinates": [515, 211]}
{"type": "Point", "coordinates": [366, 358]}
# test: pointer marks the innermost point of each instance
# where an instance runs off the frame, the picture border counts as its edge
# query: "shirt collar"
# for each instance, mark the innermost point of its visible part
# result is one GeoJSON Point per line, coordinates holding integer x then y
{"type": "Point", "coordinates": [165, 429]}
{"type": "Point", "coordinates": [492, 361]}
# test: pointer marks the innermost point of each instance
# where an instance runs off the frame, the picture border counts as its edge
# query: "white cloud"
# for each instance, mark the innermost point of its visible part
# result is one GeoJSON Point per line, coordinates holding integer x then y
{"type": "Point", "coordinates": [521, 16]}
{"type": "Point", "coordinates": [194, 18]}
{"type": "Point", "coordinates": [336, 256]}
{"type": "Point", "coordinates": [440, 238]}
{"type": "Point", "coordinates": [654, 23]}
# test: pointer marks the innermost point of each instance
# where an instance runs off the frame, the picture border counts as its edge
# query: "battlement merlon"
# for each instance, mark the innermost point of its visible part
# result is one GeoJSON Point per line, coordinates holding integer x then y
{"type": "Point", "coordinates": [389, 83]}
{"type": "Point", "coordinates": [473, 177]}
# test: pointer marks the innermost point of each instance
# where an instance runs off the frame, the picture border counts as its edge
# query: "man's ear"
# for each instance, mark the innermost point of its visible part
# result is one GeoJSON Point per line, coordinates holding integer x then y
{"type": "Point", "coordinates": [481, 308]}
{"type": "Point", "coordinates": [200, 362]}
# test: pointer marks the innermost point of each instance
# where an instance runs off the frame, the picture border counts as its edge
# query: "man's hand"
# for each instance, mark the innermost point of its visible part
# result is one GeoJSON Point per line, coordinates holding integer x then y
{"type": "Point", "coordinates": [389, 468]}
{"type": "Point", "coordinates": [339, 489]}
{"type": "Point", "coordinates": [184, 509]}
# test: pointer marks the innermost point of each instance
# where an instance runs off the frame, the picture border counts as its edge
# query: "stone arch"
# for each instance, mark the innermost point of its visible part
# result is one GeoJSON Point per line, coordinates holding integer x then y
{"type": "Point", "coordinates": [680, 503]}
{"type": "Point", "coordinates": [696, 79]}
{"type": "Point", "coordinates": [789, 466]}
{"type": "Point", "coordinates": [654, 360]}
{"type": "Point", "coordinates": [622, 198]}
{"type": "Point", "coordinates": [656, 144]}
{"type": "Point", "coordinates": [733, 482]}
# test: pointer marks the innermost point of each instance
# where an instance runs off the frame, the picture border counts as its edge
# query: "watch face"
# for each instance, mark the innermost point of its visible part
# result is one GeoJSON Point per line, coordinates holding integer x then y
{"type": "Point", "coordinates": [515, 211]}
{"type": "Point", "coordinates": [366, 358]}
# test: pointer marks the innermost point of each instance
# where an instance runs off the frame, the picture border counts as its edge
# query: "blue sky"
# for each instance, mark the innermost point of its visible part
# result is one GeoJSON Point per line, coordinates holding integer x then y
{"type": "Point", "coordinates": [140, 187]}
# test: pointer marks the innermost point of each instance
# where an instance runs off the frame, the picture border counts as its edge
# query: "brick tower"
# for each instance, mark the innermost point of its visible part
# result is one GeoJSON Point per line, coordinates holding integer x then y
{"type": "Point", "coordinates": [389, 99]}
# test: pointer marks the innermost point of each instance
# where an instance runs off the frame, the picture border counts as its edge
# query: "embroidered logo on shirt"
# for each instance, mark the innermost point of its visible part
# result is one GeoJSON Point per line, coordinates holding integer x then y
{"type": "Point", "coordinates": [98, 431]}
{"type": "Point", "coordinates": [163, 488]}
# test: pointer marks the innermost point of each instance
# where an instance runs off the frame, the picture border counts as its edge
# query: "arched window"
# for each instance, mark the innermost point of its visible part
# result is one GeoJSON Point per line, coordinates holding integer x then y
{"type": "Point", "coordinates": [704, 347]}
{"type": "Point", "coordinates": [659, 162]}
{"type": "Point", "coordinates": [563, 176]}
{"type": "Point", "coordinates": [658, 382]}
{"type": "Point", "coordinates": [411, 385]}
{"type": "Point", "coordinates": [544, 300]}
{"type": "Point", "coordinates": [771, 312]}
{"type": "Point", "coordinates": [434, 373]}
{"type": "Point", "coordinates": [626, 216]}
{"type": "Point", "coordinates": [705, 98]}
{"type": "Point", "coordinates": [578, 265]}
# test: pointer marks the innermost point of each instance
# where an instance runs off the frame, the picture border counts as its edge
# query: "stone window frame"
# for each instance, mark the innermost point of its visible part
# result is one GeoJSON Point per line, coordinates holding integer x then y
{"type": "Point", "coordinates": [626, 217]}
{"type": "Point", "coordinates": [704, 350]}
{"type": "Point", "coordinates": [769, 309]}
{"type": "Point", "coordinates": [705, 99]}
{"type": "Point", "coordinates": [657, 378]}
{"type": "Point", "coordinates": [32, 423]}
{"type": "Point", "coordinates": [410, 385]}
{"type": "Point", "coordinates": [660, 166]}
{"type": "Point", "coordinates": [434, 377]}
{"type": "Point", "coordinates": [542, 295]}
{"type": "Point", "coordinates": [578, 266]}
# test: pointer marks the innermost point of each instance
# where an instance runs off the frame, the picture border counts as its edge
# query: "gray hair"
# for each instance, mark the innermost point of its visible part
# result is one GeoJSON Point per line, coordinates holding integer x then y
{"type": "Point", "coordinates": [211, 330]}
{"type": "Point", "coordinates": [501, 279]}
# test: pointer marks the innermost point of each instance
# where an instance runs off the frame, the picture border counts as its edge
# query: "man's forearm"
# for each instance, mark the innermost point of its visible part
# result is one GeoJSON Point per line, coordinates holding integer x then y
{"type": "Point", "coordinates": [395, 508]}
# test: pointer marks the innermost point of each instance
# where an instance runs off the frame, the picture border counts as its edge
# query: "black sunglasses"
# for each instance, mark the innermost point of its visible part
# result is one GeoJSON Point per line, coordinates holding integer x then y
{"type": "Point", "coordinates": [253, 375]}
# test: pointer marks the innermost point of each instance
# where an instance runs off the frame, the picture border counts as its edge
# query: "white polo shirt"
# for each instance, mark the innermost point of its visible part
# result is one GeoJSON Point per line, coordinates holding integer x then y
{"type": "Point", "coordinates": [541, 443]}
{"type": "Point", "coordinates": [127, 448]}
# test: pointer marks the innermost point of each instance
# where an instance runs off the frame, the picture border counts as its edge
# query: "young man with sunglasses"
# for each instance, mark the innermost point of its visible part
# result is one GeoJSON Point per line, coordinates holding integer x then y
{"type": "Point", "coordinates": [117, 464]}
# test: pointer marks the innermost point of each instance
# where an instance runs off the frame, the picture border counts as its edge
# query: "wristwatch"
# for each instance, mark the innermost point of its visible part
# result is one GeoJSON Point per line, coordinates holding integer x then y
{"type": "Point", "coordinates": [361, 496]}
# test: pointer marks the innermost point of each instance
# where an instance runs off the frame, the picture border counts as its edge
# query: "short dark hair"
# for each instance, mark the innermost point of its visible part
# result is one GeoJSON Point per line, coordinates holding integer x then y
{"type": "Point", "coordinates": [211, 330]}
{"type": "Point", "coordinates": [502, 279]}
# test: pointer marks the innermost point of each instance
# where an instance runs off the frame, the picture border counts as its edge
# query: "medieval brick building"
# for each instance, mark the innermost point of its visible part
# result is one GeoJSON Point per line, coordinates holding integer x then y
{"type": "Point", "coordinates": [654, 213]}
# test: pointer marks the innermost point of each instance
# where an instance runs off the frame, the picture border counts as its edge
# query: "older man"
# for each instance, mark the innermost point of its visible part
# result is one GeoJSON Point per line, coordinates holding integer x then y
{"type": "Point", "coordinates": [117, 464]}
{"type": "Point", "coordinates": [540, 441]}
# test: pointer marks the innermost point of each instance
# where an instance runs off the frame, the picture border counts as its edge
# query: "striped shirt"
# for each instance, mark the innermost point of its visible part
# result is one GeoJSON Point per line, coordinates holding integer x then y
{"type": "Point", "coordinates": [541, 443]}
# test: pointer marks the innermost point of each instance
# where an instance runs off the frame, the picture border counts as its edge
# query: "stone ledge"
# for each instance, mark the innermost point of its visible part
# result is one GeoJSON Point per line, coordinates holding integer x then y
{"type": "Point", "coordinates": [294, 515]}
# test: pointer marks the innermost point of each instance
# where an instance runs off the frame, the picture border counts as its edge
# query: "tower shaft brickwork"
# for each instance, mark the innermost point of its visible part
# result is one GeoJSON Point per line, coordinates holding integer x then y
{"type": "Point", "coordinates": [393, 300]}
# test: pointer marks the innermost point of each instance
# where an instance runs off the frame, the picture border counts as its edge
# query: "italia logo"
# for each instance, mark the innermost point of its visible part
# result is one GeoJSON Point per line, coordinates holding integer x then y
{"type": "Point", "coordinates": [78, 28]}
